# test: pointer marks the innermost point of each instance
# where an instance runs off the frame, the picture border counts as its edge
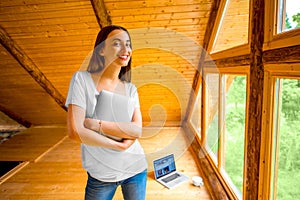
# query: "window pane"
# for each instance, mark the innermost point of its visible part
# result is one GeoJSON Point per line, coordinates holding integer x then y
{"type": "Point", "coordinates": [196, 115]}
{"type": "Point", "coordinates": [212, 136]}
{"type": "Point", "coordinates": [288, 15]}
{"type": "Point", "coordinates": [288, 136]}
{"type": "Point", "coordinates": [235, 129]}
{"type": "Point", "coordinates": [233, 27]}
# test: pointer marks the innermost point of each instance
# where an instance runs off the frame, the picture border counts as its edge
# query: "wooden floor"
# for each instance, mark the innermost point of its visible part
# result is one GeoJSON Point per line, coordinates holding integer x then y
{"type": "Point", "coordinates": [52, 167]}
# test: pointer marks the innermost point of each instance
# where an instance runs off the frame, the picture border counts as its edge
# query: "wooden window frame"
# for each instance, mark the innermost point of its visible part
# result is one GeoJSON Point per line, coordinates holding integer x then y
{"type": "Point", "coordinates": [280, 58]}
{"type": "Point", "coordinates": [234, 51]}
{"type": "Point", "coordinates": [270, 141]}
{"type": "Point", "coordinates": [272, 38]}
{"type": "Point", "coordinates": [218, 167]}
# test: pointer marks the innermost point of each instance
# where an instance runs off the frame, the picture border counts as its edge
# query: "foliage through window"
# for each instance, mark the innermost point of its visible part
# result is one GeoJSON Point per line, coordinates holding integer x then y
{"type": "Point", "coordinates": [235, 112]}
{"type": "Point", "coordinates": [286, 158]}
{"type": "Point", "coordinates": [226, 112]}
{"type": "Point", "coordinates": [212, 120]}
{"type": "Point", "coordinates": [288, 15]}
{"type": "Point", "coordinates": [196, 115]}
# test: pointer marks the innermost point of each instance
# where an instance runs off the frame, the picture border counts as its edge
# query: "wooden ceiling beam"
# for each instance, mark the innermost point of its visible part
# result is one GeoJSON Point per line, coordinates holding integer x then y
{"type": "Point", "coordinates": [30, 67]}
{"type": "Point", "coordinates": [15, 117]}
{"type": "Point", "coordinates": [101, 13]}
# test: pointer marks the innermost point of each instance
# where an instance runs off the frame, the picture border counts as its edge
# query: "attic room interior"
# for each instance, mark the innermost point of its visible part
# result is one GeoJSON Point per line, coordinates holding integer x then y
{"type": "Point", "coordinates": [218, 84]}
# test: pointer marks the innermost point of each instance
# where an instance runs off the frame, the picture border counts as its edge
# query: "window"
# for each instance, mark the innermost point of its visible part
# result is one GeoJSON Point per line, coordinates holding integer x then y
{"type": "Point", "coordinates": [212, 120]}
{"type": "Point", "coordinates": [225, 135]}
{"type": "Point", "coordinates": [286, 158]}
{"type": "Point", "coordinates": [288, 16]}
{"type": "Point", "coordinates": [196, 115]}
{"type": "Point", "coordinates": [233, 25]}
{"type": "Point", "coordinates": [225, 93]}
{"type": "Point", "coordinates": [235, 111]}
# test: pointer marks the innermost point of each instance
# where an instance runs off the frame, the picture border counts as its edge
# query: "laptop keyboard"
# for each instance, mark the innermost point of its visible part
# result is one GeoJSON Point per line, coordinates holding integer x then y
{"type": "Point", "coordinates": [170, 178]}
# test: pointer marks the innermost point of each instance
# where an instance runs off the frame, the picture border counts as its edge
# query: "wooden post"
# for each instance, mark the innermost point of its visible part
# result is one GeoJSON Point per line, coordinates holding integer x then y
{"type": "Point", "coordinates": [254, 133]}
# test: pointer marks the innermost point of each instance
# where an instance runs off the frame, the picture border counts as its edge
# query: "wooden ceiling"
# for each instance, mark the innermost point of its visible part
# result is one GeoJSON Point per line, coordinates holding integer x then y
{"type": "Point", "coordinates": [44, 42]}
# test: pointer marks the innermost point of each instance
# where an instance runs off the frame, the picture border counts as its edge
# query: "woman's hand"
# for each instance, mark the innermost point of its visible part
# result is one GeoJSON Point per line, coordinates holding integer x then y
{"type": "Point", "coordinates": [83, 130]}
{"type": "Point", "coordinates": [125, 144]}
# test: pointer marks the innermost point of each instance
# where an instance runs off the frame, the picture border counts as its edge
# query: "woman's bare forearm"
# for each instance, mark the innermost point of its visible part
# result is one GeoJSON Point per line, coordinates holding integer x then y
{"type": "Point", "coordinates": [78, 131]}
{"type": "Point", "coordinates": [129, 130]}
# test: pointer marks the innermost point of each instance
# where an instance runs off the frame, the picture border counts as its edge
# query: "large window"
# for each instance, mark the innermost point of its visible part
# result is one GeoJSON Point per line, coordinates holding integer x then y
{"type": "Point", "coordinates": [225, 134]}
{"type": "Point", "coordinates": [286, 157]}
{"type": "Point", "coordinates": [232, 28]}
{"type": "Point", "coordinates": [235, 110]}
{"type": "Point", "coordinates": [212, 119]}
{"type": "Point", "coordinates": [288, 15]}
{"type": "Point", "coordinates": [273, 145]}
{"type": "Point", "coordinates": [196, 115]}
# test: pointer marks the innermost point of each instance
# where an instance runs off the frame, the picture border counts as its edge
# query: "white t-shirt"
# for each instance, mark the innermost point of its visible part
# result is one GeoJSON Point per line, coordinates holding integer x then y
{"type": "Point", "coordinates": [102, 163]}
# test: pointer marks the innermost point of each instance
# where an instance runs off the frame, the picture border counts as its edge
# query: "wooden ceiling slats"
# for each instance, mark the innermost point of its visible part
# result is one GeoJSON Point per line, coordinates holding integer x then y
{"type": "Point", "coordinates": [173, 62]}
{"type": "Point", "coordinates": [162, 16]}
{"type": "Point", "coordinates": [183, 64]}
{"type": "Point", "coordinates": [19, 27]}
{"type": "Point", "coordinates": [42, 20]}
{"type": "Point", "coordinates": [161, 30]}
{"type": "Point", "coordinates": [149, 3]}
{"type": "Point", "coordinates": [9, 3]}
{"type": "Point", "coordinates": [165, 34]}
{"type": "Point", "coordinates": [30, 67]}
{"type": "Point", "coordinates": [192, 35]}
{"type": "Point", "coordinates": [47, 15]}
{"type": "Point", "coordinates": [169, 23]}
{"type": "Point", "coordinates": [58, 35]}
{"type": "Point", "coordinates": [43, 32]}
{"type": "Point", "coordinates": [44, 7]}
{"type": "Point", "coordinates": [20, 95]}
{"type": "Point", "coordinates": [47, 21]}
{"type": "Point", "coordinates": [148, 58]}
{"type": "Point", "coordinates": [121, 11]}
{"type": "Point", "coordinates": [181, 51]}
{"type": "Point", "coordinates": [82, 41]}
{"type": "Point", "coordinates": [42, 45]}
{"type": "Point", "coordinates": [173, 52]}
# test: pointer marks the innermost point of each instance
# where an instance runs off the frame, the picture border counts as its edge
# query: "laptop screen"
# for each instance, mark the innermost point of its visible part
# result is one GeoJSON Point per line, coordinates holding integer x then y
{"type": "Point", "coordinates": [164, 166]}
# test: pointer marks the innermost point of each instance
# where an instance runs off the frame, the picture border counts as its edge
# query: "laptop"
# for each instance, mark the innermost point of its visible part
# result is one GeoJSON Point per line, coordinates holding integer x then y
{"type": "Point", "coordinates": [114, 107]}
{"type": "Point", "coordinates": [165, 172]}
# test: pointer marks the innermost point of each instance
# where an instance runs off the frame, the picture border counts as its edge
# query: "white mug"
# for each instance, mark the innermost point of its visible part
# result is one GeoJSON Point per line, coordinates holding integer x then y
{"type": "Point", "coordinates": [197, 181]}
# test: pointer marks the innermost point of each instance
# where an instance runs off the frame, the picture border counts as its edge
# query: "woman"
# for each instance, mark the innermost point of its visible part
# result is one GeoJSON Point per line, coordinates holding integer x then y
{"type": "Point", "coordinates": [109, 163]}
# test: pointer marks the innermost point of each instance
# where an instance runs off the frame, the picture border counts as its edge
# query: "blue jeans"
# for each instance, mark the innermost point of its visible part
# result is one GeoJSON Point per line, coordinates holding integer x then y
{"type": "Point", "coordinates": [133, 188]}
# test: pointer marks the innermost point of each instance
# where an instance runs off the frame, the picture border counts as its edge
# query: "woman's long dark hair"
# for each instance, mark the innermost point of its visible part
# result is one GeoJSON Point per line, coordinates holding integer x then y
{"type": "Point", "coordinates": [96, 63]}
